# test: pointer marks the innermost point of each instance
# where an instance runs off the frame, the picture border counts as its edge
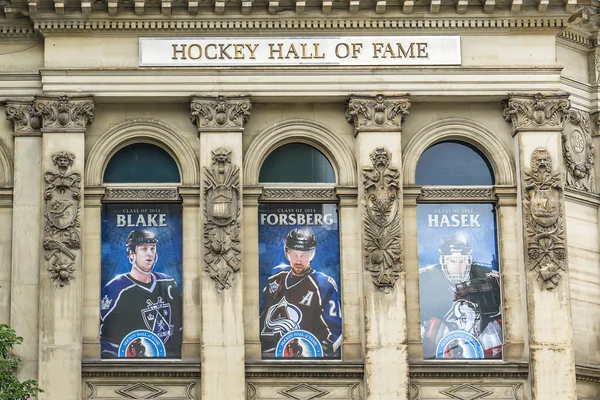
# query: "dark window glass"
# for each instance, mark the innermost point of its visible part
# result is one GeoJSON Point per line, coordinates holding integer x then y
{"type": "Point", "coordinates": [453, 163]}
{"type": "Point", "coordinates": [141, 163]}
{"type": "Point", "coordinates": [296, 162]}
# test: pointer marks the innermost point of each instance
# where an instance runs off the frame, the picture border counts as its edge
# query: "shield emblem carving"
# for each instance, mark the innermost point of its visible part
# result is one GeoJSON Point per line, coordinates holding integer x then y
{"type": "Point", "coordinates": [545, 206]}
{"type": "Point", "coordinates": [61, 208]}
{"type": "Point", "coordinates": [222, 203]}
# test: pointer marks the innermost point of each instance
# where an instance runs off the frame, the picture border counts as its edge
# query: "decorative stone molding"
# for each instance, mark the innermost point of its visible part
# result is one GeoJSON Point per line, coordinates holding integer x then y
{"type": "Point", "coordinates": [65, 113]}
{"type": "Point", "coordinates": [148, 370]}
{"type": "Point", "coordinates": [379, 113]}
{"type": "Point", "coordinates": [220, 112]}
{"type": "Point", "coordinates": [578, 152]}
{"type": "Point", "coordinates": [61, 218]}
{"type": "Point", "coordinates": [146, 131]}
{"type": "Point", "coordinates": [309, 194]}
{"type": "Point", "coordinates": [382, 230]}
{"type": "Point", "coordinates": [303, 391]}
{"type": "Point", "coordinates": [458, 194]}
{"type": "Point", "coordinates": [536, 111]}
{"type": "Point", "coordinates": [544, 226]}
{"type": "Point", "coordinates": [24, 118]}
{"type": "Point", "coordinates": [141, 390]}
{"type": "Point", "coordinates": [311, 133]}
{"type": "Point", "coordinates": [135, 194]}
{"type": "Point", "coordinates": [222, 219]}
{"type": "Point", "coordinates": [464, 130]}
{"type": "Point", "coordinates": [314, 389]}
{"type": "Point", "coordinates": [466, 391]}
{"type": "Point", "coordinates": [6, 166]}
{"type": "Point", "coordinates": [595, 123]}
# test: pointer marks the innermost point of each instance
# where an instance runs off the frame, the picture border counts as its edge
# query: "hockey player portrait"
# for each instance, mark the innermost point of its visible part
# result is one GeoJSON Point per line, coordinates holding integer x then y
{"type": "Point", "coordinates": [459, 292]}
{"type": "Point", "coordinates": [300, 314]}
{"type": "Point", "coordinates": [140, 308]}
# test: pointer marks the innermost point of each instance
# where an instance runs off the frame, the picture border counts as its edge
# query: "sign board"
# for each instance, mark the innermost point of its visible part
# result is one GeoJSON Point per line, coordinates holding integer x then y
{"type": "Point", "coordinates": [300, 51]}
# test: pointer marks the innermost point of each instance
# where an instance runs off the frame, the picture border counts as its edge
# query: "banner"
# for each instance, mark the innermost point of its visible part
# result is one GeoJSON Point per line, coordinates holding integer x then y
{"type": "Point", "coordinates": [140, 303]}
{"type": "Point", "coordinates": [299, 266]}
{"type": "Point", "coordinates": [459, 281]}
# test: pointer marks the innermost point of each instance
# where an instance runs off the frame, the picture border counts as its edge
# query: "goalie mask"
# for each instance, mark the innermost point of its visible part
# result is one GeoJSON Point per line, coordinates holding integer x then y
{"type": "Point", "coordinates": [137, 238]}
{"type": "Point", "coordinates": [456, 259]}
{"type": "Point", "coordinates": [300, 240]}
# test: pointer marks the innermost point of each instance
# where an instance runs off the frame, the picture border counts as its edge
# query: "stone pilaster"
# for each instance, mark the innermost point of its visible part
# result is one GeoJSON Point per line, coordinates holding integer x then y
{"type": "Point", "coordinates": [26, 228]}
{"type": "Point", "coordinates": [64, 121]}
{"type": "Point", "coordinates": [220, 123]}
{"type": "Point", "coordinates": [537, 122]}
{"type": "Point", "coordinates": [378, 126]}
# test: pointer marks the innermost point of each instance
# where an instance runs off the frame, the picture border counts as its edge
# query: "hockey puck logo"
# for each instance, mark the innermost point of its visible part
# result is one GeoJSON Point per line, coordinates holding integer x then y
{"type": "Point", "coordinates": [299, 344]}
{"type": "Point", "coordinates": [141, 344]}
{"type": "Point", "coordinates": [458, 345]}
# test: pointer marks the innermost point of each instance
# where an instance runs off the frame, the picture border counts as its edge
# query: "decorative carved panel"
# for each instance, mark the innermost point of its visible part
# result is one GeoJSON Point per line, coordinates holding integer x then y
{"type": "Point", "coordinates": [379, 113]}
{"type": "Point", "coordinates": [466, 392]}
{"type": "Point", "coordinates": [220, 112]}
{"type": "Point", "coordinates": [456, 193]}
{"type": "Point", "coordinates": [61, 218]}
{"type": "Point", "coordinates": [536, 111]}
{"type": "Point", "coordinates": [127, 194]}
{"type": "Point", "coordinates": [381, 220]}
{"type": "Point", "coordinates": [298, 194]}
{"type": "Point", "coordinates": [23, 116]}
{"type": "Point", "coordinates": [222, 219]}
{"type": "Point", "coordinates": [578, 152]}
{"type": "Point", "coordinates": [544, 226]}
{"type": "Point", "coordinates": [64, 113]}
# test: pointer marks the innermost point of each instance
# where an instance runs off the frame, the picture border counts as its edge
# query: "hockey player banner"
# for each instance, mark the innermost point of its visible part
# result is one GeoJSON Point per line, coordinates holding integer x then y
{"type": "Point", "coordinates": [300, 298]}
{"type": "Point", "coordinates": [459, 281]}
{"type": "Point", "coordinates": [140, 303]}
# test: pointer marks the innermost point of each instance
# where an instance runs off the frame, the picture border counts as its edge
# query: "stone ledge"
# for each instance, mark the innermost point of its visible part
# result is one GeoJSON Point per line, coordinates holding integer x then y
{"type": "Point", "coordinates": [283, 369]}
{"type": "Point", "coordinates": [142, 368]}
{"type": "Point", "coordinates": [468, 370]}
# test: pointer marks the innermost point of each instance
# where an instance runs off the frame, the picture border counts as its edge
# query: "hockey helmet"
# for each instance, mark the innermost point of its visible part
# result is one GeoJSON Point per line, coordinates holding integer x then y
{"type": "Point", "coordinates": [301, 240]}
{"type": "Point", "coordinates": [136, 238]}
{"type": "Point", "coordinates": [455, 258]}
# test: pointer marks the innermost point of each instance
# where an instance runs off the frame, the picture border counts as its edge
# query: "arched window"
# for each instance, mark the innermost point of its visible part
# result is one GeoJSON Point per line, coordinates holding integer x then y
{"type": "Point", "coordinates": [453, 163]}
{"type": "Point", "coordinates": [296, 163]}
{"type": "Point", "coordinates": [141, 163]}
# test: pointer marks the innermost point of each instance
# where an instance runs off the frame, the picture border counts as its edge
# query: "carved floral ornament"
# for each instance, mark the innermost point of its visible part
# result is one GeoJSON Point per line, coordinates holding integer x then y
{"type": "Point", "coordinates": [220, 112]}
{"type": "Point", "coordinates": [578, 152]}
{"type": "Point", "coordinates": [222, 219]}
{"type": "Point", "coordinates": [379, 113]}
{"type": "Point", "coordinates": [381, 220]}
{"type": "Point", "coordinates": [536, 111]}
{"type": "Point", "coordinates": [61, 218]}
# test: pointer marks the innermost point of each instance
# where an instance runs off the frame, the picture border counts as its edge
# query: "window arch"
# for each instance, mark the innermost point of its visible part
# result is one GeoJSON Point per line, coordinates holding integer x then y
{"type": "Point", "coordinates": [296, 162]}
{"type": "Point", "coordinates": [141, 163]}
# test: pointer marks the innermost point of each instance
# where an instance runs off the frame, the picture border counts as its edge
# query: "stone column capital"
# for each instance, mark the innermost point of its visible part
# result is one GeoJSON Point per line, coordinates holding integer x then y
{"type": "Point", "coordinates": [26, 122]}
{"type": "Point", "coordinates": [377, 113]}
{"type": "Point", "coordinates": [595, 123]}
{"type": "Point", "coordinates": [220, 113]}
{"type": "Point", "coordinates": [533, 112]}
{"type": "Point", "coordinates": [64, 113]}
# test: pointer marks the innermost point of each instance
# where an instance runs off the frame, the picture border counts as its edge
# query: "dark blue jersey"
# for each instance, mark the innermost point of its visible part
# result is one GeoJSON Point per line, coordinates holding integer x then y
{"type": "Point", "coordinates": [128, 305]}
{"type": "Point", "coordinates": [310, 303]}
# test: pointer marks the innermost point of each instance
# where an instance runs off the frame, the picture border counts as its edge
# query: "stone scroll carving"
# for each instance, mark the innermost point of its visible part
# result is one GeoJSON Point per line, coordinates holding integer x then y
{"type": "Point", "coordinates": [381, 220]}
{"type": "Point", "coordinates": [220, 112]}
{"type": "Point", "coordinates": [379, 113]}
{"type": "Point", "coordinates": [578, 152]}
{"type": "Point", "coordinates": [61, 218]}
{"type": "Point", "coordinates": [23, 116]}
{"type": "Point", "coordinates": [65, 113]}
{"type": "Point", "coordinates": [544, 226]}
{"type": "Point", "coordinates": [222, 219]}
{"type": "Point", "coordinates": [536, 111]}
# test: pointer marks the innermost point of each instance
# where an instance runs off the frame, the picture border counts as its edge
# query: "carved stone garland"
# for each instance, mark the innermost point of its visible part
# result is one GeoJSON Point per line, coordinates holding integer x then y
{"type": "Point", "coordinates": [578, 152]}
{"type": "Point", "coordinates": [544, 227]}
{"type": "Point", "coordinates": [61, 218]}
{"type": "Point", "coordinates": [222, 219]}
{"type": "Point", "coordinates": [381, 220]}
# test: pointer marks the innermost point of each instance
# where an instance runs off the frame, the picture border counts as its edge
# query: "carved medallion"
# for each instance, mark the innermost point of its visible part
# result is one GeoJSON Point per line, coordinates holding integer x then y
{"type": "Point", "coordinates": [381, 219]}
{"type": "Point", "coordinates": [544, 226]}
{"type": "Point", "coordinates": [61, 218]}
{"type": "Point", "coordinates": [578, 152]}
{"type": "Point", "coordinates": [222, 213]}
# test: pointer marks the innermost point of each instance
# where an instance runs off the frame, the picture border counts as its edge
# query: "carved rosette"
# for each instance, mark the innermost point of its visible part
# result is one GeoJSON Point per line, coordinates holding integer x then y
{"type": "Point", "coordinates": [65, 113]}
{"type": "Point", "coordinates": [381, 220]}
{"type": "Point", "coordinates": [23, 116]}
{"type": "Point", "coordinates": [544, 224]}
{"type": "Point", "coordinates": [379, 113]}
{"type": "Point", "coordinates": [61, 218]}
{"type": "Point", "coordinates": [220, 113]}
{"type": "Point", "coordinates": [536, 111]}
{"type": "Point", "coordinates": [578, 152]}
{"type": "Point", "coordinates": [222, 219]}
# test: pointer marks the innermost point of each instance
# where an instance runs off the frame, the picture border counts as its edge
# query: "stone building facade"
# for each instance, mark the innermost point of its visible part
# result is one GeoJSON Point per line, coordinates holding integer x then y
{"type": "Point", "coordinates": [521, 89]}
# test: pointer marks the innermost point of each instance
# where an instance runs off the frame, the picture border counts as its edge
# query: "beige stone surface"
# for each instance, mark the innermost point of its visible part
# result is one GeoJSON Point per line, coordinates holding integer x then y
{"type": "Point", "coordinates": [18, 55]}
{"type": "Point", "coordinates": [492, 50]}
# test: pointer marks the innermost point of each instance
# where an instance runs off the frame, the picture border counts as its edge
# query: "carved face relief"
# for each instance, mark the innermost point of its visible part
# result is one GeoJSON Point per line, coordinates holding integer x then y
{"type": "Point", "coordinates": [380, 158]}
{"type": "Point", "coordinates": [541, 161]}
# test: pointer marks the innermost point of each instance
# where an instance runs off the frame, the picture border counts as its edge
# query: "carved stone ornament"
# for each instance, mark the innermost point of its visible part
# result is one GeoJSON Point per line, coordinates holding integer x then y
{"type": "Point", "coordinates": [220, 113]}
{"type": "Point", "coordinates": [61, 218]}
{"type": "Point", "coordinates": [536, 111]}
{"type": "Point", "coordinates": [222, 214]}
{"type": "Point", "coordinates": [23, 116]}
{"type": "Point", "coordinates": [64, 113]}
{"type": "Point", "coordinates": [136, 194]}
{"type": "Point", "coordinates": [578, 152]}
{"type": "Point", "coordinates": [544, 225]}
{"type": "Point", "coordinates": [379, 113]}
{"type": "Point", "coordinates": [381, 219]}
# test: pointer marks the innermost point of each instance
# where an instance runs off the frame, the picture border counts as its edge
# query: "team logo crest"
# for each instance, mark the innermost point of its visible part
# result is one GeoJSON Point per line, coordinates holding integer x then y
{"type": "Point", "coordinates": [141, 344]}
{"type": "Point", "coordinates": [273, 286]}
{"type": "Point", "coordinates": [459, 345]}
{"type": "Point", "coordinates": [299, 344]}
{"type": "Point", "coordinates": [105, 303]}
{"type": "Point", "coordinates": [282, 318]}
{"type": "Point", "coordinates": [157, 318]}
